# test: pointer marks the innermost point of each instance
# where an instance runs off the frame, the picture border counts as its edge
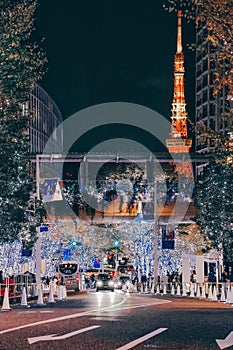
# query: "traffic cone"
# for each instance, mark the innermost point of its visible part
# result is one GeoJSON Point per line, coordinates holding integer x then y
{"type": "Point", "coordinates": [198, 295]}
{"type": "Point", "coordinates": [178, 290]}
{"type": "Point", "coordinates": [203, 295]}
{"type": "Point", "coordinates": [51, 298]}
{"type": "Point", "coordinates": [230, 295]}
{"type": "Point", "coordinates": [164, 289]}
{"type": "Point", "coordinates": [64, 294]}
{"type": "Point", "coordinates": [24, 298]}
{"type": "Point", "coordinates": [59, 292]}
{"type": "Point", "coordinates": [6, 303]}
{"type": "Point", "coordinates": [214, 297]}
{"type": "Point", "coordinates": [210, 294]}
{"type": "Point", "coordinates": [157, 289]}
{"type": "Point", "coordinates": [223, 294]}
{"type": "Point", "coordinates": [173, 290]}
{"type": "Point", "coordinates": [192, 291]}
{"type": "Point", "coordinates": [184, 292]}
{"type": "Point", "coordinates": [40, 297]}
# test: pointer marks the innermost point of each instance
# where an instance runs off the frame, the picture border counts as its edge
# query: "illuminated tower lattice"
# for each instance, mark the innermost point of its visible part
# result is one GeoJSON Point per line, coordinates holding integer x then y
{"type": "Point", "coordinates": [178, 141]}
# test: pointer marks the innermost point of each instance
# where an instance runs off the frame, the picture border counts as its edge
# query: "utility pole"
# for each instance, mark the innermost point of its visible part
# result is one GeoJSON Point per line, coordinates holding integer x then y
{"type": "Point", "coordinates": [39, 239]}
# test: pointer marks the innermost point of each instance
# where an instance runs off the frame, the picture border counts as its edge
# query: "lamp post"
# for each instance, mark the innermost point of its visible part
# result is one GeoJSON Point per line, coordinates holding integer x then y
{"type": "Point", "coordinates": [156, 264]}
{"type": "Point", "coordinates": [38, 242]}
{"type": "Point", "coordinates": [116, 243]}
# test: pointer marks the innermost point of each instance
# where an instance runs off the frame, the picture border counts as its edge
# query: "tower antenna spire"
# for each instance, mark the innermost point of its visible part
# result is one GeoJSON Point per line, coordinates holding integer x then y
{"type": "Point", "coordinates": [179, 33]}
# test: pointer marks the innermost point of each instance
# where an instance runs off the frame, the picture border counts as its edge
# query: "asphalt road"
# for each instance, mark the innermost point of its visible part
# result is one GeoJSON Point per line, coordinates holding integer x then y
{"type": "Point", "coordinates": [117, 321]}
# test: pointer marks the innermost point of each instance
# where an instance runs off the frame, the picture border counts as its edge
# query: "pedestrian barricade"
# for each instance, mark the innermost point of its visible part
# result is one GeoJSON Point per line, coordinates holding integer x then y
{"type": "Point", "coordinates": [211, 291]}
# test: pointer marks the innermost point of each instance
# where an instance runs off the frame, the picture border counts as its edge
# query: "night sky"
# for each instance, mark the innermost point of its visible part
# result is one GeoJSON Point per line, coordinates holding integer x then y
{"type": "Point", "coordinates": [105, 51]}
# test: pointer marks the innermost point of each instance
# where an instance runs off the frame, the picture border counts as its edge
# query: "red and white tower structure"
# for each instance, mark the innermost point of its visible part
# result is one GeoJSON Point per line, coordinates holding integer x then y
{"type": "Point", "coordinates": [178, 141]}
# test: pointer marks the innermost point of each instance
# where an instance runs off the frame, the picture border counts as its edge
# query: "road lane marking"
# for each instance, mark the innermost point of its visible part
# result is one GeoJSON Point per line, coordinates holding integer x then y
{"type": "Point", "coordinates": [142, 339]}
{"type": "Point", "coordinates": [141, 305]}
{"type": "Point", "coordinates": [50, 337]}
{"type": "Point", "coordinates": [225, 343]}
{"type": "Point", "coordinates": [80, 314]}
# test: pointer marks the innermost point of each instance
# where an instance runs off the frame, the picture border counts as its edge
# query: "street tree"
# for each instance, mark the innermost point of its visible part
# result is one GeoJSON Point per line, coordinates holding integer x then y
{"type": "Point", "coordinates": [21, 66]}
{"type": "Point", "coordinates": [213, 199]}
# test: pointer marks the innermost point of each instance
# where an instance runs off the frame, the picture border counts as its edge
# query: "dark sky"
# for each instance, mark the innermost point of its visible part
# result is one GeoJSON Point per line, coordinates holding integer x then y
{"type": "Point", "coordinates": [104, 51]}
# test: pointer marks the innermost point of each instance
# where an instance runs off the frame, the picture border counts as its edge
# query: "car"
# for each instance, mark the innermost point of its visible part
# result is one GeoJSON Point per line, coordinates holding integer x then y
{"type": "Point", "coordinates": [118, 284]}
{"type": "Point", "coordinates": [104, 282]}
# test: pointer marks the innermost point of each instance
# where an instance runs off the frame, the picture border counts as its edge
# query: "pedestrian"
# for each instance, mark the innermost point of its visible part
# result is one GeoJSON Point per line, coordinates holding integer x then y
{"type": "Point", "coordinates": [193, 277]}
{"type": "Point", "coordinates": [211, 276]}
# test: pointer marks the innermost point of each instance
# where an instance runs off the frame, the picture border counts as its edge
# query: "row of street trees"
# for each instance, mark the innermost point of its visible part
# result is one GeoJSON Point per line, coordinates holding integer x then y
{"type": "Point", "coordinates": [21, 66]}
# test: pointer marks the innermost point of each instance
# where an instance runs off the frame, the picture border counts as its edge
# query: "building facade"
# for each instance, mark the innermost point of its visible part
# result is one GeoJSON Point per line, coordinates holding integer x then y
{"type": "Point", "coordinates": [46, 119]}
{"type": "Point", "coordinates": [209, 106]}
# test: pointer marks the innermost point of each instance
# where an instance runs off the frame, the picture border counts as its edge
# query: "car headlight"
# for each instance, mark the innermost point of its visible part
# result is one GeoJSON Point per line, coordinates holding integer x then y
{"type": "Point", "coordinates": [111, 283]}
{"type": "Point", "coordinates": [99, 283]}
{"type": "Point", "coordinates": [119, 284]}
